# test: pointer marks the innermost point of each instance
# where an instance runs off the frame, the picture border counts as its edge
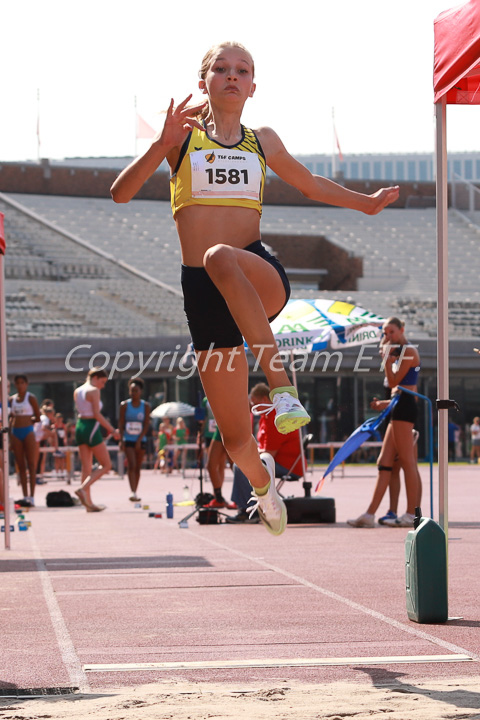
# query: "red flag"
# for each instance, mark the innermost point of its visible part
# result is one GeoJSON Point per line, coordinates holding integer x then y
{"type": "Point", "coordinates": [3, 246]}
{"type": "Point", "coordinates": [144, 130]}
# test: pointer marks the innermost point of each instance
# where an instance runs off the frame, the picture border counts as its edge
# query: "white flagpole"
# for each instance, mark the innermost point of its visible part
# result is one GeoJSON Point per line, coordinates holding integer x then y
{"type": "Point", "coordinates": [300, 436]}
{"type": "Point", "coordinates": [136, 124]}
{"type": "Point", "coordinates": [334, 147]}
{"type": "Point", "coordinates": [38, 126]}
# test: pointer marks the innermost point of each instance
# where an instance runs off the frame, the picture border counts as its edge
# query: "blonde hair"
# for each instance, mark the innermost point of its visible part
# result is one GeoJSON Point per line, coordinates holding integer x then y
{"type": "Point", "coordinates": [97, 372]}
{"type": "Point", "coordinates": [207, 59]}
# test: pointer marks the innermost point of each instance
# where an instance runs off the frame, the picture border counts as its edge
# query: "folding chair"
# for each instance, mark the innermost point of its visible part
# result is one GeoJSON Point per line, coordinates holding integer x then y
{"type": "Point", "coordinates": [307, 509]}
{"type": "Point", "coordinates": [307, 486]}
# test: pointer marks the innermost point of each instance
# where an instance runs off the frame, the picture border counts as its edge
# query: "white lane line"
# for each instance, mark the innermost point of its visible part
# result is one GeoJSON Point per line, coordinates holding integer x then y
{"type": "Point", "coordinates": [276, 663]}
{"type": "Point", "coordinates": [178, 588]}
{"type": "Point", "coordinates": [67, 650]}
{"type": "Point", "coordinates": [410, 629]}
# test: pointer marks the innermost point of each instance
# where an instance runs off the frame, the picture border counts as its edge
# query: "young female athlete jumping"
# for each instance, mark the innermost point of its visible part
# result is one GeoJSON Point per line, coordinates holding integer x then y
{"type": "Point", "coordinates": [232, 286]}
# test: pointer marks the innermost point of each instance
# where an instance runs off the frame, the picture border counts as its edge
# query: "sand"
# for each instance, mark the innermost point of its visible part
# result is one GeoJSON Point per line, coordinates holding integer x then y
{"type": "Point", "coordinates": [425, 700]}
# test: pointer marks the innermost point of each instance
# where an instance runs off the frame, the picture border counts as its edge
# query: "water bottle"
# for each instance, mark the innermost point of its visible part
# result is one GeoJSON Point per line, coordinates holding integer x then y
{"type": "Point", "coordinates": [169, 505]}
{"type": "Point", "coordinates": [186, 492]}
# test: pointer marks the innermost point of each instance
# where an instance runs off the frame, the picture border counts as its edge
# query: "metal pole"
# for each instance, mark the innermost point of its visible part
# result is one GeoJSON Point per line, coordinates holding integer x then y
{"type": "Point", "coordinates": [430, 438]}
{"type": "Point", "coordinates": [4, 398]}
{"type": "Point", "coordinates": [442, 306]}
{"type": "Point", "coordinates": [300, 436]}
{"type": "Point", "coordinates": [334, 147]}
{"type": "Point", "coordinates": [136, 124]}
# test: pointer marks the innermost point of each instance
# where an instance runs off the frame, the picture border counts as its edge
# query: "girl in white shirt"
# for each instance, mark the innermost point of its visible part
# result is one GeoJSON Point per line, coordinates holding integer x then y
{"type": "Point", "coordinates": [88, 436]}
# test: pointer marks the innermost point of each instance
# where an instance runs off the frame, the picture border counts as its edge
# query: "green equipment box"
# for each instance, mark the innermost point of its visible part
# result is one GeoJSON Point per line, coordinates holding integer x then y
{"type": "Point", "coordinates": [426, 572]}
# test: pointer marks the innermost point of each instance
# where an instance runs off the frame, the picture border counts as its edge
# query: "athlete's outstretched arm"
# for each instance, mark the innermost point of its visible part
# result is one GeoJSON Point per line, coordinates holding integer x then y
{"type": "Point", "coordinates": [178, 123]}
{"type": "Point", "coordinates": [316, 187]}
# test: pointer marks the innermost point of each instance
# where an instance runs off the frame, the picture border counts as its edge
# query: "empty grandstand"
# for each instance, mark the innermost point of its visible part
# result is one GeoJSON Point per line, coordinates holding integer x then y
{"type": "Point", "coordinates": [58, 285]}
{"type": "Point", "coordinates": [76, 249]}
{"type": "Point", "coordinates": [83, 271]}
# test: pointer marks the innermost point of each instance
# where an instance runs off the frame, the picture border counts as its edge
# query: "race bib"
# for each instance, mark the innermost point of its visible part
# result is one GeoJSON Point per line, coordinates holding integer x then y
{"type": "Point", "coordinates": [133, 428]}
{"type": "Point", "coordinates": [223, 173]}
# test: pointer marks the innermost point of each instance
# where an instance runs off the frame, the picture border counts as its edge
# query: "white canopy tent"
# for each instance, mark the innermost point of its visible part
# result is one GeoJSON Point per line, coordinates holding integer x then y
{"type": "Point", "coordinates": [456, 81]}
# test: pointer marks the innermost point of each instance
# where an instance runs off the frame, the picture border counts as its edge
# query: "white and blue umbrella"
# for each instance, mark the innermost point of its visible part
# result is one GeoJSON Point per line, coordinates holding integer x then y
{"type": "Point", "coordinates": [312, 325]}
{"type": "Point", "coordinates": [173, 410]}
{"type": "Point", "coordinates": [306, 325]}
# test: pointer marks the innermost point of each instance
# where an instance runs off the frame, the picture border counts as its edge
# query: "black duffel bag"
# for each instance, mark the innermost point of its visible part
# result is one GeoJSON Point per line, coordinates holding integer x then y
{"type": "Point", "coordinates": [59, 498]}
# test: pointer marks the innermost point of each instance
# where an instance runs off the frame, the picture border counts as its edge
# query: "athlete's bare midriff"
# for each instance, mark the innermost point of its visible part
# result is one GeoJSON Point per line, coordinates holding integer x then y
{"type": "Point", "coordinates": [200, 227]}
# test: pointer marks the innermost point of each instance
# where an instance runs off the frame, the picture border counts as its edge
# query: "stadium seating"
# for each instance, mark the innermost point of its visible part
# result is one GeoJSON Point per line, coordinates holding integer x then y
{"type": "Point", "coordinates": [70, 282]}
{"type": "Point", "coordinates": [56, 287]}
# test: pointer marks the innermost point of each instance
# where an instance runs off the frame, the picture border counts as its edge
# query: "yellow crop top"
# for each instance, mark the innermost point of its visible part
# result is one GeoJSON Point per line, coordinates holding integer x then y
{"type": "Point", "coordinates": [209, 173]}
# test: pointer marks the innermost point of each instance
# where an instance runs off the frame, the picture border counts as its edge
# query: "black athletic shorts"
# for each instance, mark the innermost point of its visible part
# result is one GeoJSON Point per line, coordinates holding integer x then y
{"type": "Point", "coordinates": [209, 319]}
{"type": "Point", "coordinates": [133, 444]}
{"type": "Point", "coordinates": [406, 408]}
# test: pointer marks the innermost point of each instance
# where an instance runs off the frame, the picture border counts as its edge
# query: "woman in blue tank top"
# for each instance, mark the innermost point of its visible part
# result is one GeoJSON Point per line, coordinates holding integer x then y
{"type": "Point", "coordinates": [25, 411]}
{"type": "Point", "coordinates": [133, 423]}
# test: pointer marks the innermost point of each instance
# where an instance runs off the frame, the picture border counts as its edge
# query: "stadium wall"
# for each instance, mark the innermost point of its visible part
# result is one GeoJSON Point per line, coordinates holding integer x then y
{"type": "Point", "coordinates": [46, 179]}
{"type": "Point", "coordinates": [343, 268]}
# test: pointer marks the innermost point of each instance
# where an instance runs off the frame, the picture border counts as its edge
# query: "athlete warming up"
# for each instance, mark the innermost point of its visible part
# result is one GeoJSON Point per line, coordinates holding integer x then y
{"type": "Point", "coordinates": [232, 286]}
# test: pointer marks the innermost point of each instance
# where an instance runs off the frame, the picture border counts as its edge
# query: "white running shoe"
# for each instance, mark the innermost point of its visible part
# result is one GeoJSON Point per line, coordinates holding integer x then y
{"type": "Point", "coordinates": [270, 506]}
{"type": "Point", "coordinates": [363, 521]}
{"type": "Point", "coordinates": [289, 411]}
{"type": "Point", "coordinates": [404, 521]}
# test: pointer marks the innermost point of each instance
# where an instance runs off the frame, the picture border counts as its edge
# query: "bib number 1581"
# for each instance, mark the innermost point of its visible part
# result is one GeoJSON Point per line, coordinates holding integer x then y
{"type": "Point", "coordinates": [220, 176]}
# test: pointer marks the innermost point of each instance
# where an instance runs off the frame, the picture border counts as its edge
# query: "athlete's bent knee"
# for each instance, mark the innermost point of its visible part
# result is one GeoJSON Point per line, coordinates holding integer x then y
{"type": "Point", "coordinates": [218, 259]}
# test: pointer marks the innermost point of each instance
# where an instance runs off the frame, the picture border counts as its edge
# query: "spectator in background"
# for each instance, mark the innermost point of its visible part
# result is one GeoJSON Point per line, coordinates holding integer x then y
{"type": "Point", "coordinates": [453, 429]}
{"type": "Point", "coordinates": [458, 444]}
{"type": "Point", "coordinates": [475, 438]}
{"type": "Point", "coordinates": [167, 429]}
{"type": "Point", "coordinates": [70, 430]}
{"type": "Point", "coordinates": [2, 435]}
{"type": "Point", "coordinates": [180, 437]}
{"type": "Point", "coordinates": [163, 460]}
{"type": "Point", "coordinates": [402, 367]}
{"type": "Point", "coordinates": [133, 423]}
{"type": "Point", "coordinates": [59, 427]}
{"type": "Point", "coordinates": [150, 449]}
{"type": "Point", "coordinates": [285, 450]}
{"type": "Point", "coordinates": [88, 436]}
{"type": "Point", "coordinates": [25, 412]}
{"type": "Point", "coordinates": [217, 460]}
{"type": "Point", "coordinates": [45, 436]}
{"type": "Point", "coordinates": [394, 487]}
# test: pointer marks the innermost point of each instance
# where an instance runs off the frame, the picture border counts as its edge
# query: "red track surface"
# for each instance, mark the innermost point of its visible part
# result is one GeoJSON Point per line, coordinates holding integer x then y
{"type": "Point", "coordinates": [118, 587]}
